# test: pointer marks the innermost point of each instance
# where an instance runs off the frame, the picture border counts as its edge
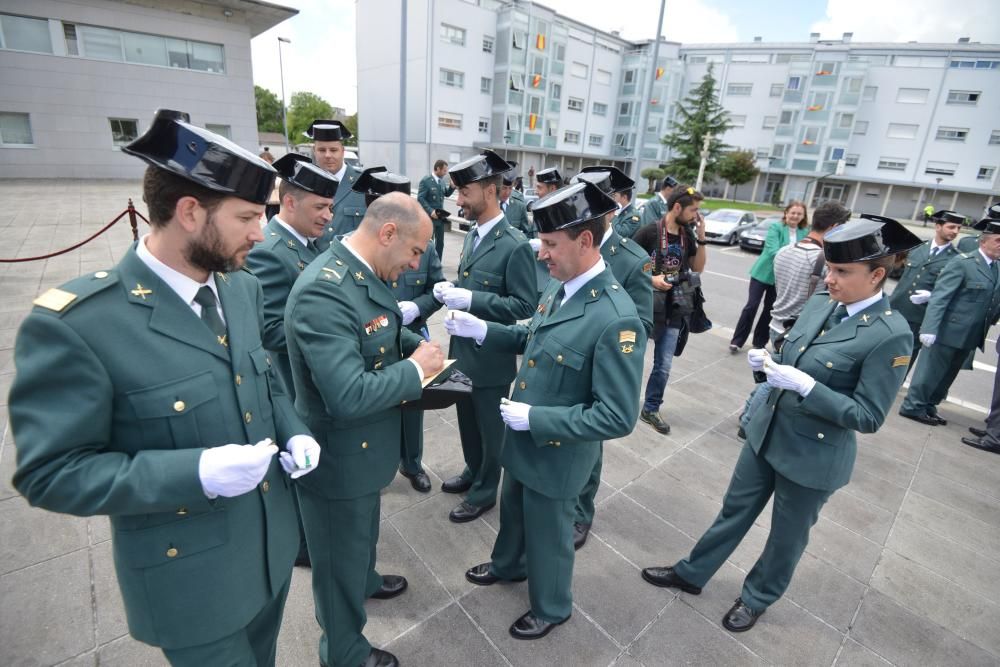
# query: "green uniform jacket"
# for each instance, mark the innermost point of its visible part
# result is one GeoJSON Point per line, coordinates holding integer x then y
{"type": "Point", "coordinates": [858, 366]}
{"type": "Point", "coordinates": [581, 374]}
{"type": "Point", "coordinates": [344, 341]}
{"type": "Point", "coordinates": [654, 209]}
{"type": "Point", "coordinates": [633, 270]}
{"type": "Point", "coordinates": [921, 272]}
{"type": "Point", "coordinates": [348, 209]}
{"type": "Point", "coordinates": [517, 216]}
{"type": "Point", "coordinates": [418, 286]}
{"type": "Point", "coordinates": [776, 239]}
{"type": "Point", "coordinates": [626, 222]}
{"type": "Point", "coordinates": [277, 262]}
{"type": "Point", "coordinates": [501, 275]}
{"type": "Point", "coordinates": [965, 303]}
{"type": "Point", "coordinates": [968, 243]}
{"type": "Point", "coordinates": [115, 399]}
{"type": "Point", "coordinates": [431, 194]}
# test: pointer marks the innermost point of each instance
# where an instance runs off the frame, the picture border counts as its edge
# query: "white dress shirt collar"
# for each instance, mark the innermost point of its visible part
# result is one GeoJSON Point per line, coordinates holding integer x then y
{"type": "Point", "coordinates": [607, 235]}
{"type": "Point", "coordinates": [987, 259]}
{"type": "Point", "coordinates": [186, 288]}
{"type": "Point", "coordinates": [483, 228]}
{"type": "Point", "coordinates": [303, 240]}
{"type": "Point", "coordinates": [858, 306]}
{"type": "Point", "coordinates": [346, 242]}
{"type": "Point", "coordinates": [573, 285]}
{"type": "Point", "coordinates": [341, 172]}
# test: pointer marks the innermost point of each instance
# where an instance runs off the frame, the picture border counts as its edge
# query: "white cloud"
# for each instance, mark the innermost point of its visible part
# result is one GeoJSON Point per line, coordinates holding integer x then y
{"type": "Point", "coordinates": [906, 20]}
{"type": "Point", "coordinates": [686, 22]}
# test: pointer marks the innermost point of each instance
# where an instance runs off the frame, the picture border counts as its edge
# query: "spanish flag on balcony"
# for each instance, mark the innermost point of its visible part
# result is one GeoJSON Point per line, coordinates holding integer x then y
{"type": "Point", "coordinates": [536, 81]}
{"type": "Point", "coordinates": [659, 72]}
{"type": "Point", "coordinates": [815, 107]}
{"type": "Point", "coordinates": [540, 42]}
{"type": "Point", "coordinates": [532, 121]}
{"type": "Point", "coordinates": [823, 72]}
{"type": "Point", "coordinates": [806, 142]}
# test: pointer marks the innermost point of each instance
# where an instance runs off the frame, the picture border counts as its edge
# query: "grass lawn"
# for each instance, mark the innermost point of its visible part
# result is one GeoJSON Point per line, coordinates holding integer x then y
{"type": "Point", "coordinates": [713, 204]}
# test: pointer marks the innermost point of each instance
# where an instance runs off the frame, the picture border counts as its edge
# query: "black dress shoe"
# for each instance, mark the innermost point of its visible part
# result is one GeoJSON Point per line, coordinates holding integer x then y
{"type": "Point", "coordinates": [580, 532]}
{"type": "Point", "coordinates": [466, 512]}
{"type": "Point", "coordinates": [392, 585]}
{"type": "Point", "coordinates": [979, 444]}
{"type": "Point", "coordinates": [303, 561]}
{"type": "Point", "coordinates": [653, 419]}
{"type": "Point", "coordinates": [418, 480]}
{"type": "Point", "coordinates": [922, 418]}
{"type": "Point", "coordinates": [978, 432]}
{"type": "Point", "coordinates": [933, 414]}
{"type": "Point", "coordinates": [530, 626]}
{"type": "Point", "coordinates": [740, 617]}
{"type": "Point", "coordinates": [482, 576]}
{"type": "Point", "coordinates": [380, 658]}
{"type": "Point", "coordinates": [456, 484]}
{"type": "Point", "coordinates": [665, 577]}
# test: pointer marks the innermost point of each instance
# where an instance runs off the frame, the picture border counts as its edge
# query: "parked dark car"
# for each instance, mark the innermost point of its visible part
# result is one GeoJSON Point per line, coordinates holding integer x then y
{"type": "Point", "coordinates": [752, 238]}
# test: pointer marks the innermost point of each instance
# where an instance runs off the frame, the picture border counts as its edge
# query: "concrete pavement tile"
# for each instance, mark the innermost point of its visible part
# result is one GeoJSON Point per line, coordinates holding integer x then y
{"type": "Point", "coordinates": [905, 638]}
{"type": "Point", "coordinates": [683, 636]}
{"type": "Point", "coordinates": [7, 336]}
{"type": "Point", "coordinates": [860, 516]}
{"type": "Point", "coordinates": [298, 640]}
{"type": "Point", "coordinates": [8, 462]}
{"type": "Point", "coordinates": [680, 505]}
{"type": "Point", "coordinates": [447, 638]}
{"type": "Point", "coordinates": [959, 564]}
{"type": "Point", "coordinates": [897, 439]}
{"type": "Point", "coordinates": [638, 535]}
{"type": "Point", "coordinates": [50, 534]}
{"type": "Point", "coordinates": [111, 621]}
{"type": "Point", "coordinates": [720, 397]}
{"type": "Point", "coordinates": [951, 523]}
{"type": "Point", "coordinates": [626, 660]}
{"type": "Point", "coordinates": [844, 549]}
{"type": "Point", "coordinates": [127, 652]}
{"type": "Point", "coordinates": [875, 490]}
{"type": "Point", "coordinates": [959, 496]}
{"type": "Point", "coordinates": [442, 449]}
{"type": "Point", "coordinates": [968, 615]}
{"type": "Point", "coordinates": [829, 594]}
{"type": "Point", "coordinates": [400, 494]}
{"type": "Point", "coordinates": [46, 614]}
{"type": "Point", "coordinates": [697, 471]}
{"type": "Point", "coordinates": [855, 655]}
{"type": "Point", "coordinates": [576, 642]}
{"type": "Point", "coordinates": [85, 660]}
{"type": "Point", "coordinates": [968, 466]}
{"type": "Point", "coordinates": [100, 529]}
{"type": "Point", "coordinates": [7, 361]}
{"type": "Point", "coordinates": [13, 319]}
{"type": "Point", "coordinates": [448, 549]}
{"type": "Point", "coordinates": [604, 493]}
{"type": "Point", "coordinates": [650, 446]}
{"type": "Point", "coordinates": [621, 465]}
{"type": "Point", "coordinates": [718, 447]}
{"type": "Point", "coordinates": [5, 381]}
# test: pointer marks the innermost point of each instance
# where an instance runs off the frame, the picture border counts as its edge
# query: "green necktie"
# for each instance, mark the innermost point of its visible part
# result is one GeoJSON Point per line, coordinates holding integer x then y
{"type": "Point", "coordinates": [557, 301]}
{"type": "Point", "coordinates": [210, 314]}
{"type": "Point", "coordinates": [838, 314]}
{"type": "Point", "coordinates": [993, 270]}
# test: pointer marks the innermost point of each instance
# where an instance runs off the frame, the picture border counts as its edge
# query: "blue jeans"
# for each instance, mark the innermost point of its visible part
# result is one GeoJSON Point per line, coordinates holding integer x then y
{"type": "Point", "coordinates": [663, 357]}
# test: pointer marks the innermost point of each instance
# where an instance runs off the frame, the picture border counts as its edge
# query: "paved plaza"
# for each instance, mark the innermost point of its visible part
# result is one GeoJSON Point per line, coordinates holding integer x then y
{"type": "Point", "coordinates": [902, 566]}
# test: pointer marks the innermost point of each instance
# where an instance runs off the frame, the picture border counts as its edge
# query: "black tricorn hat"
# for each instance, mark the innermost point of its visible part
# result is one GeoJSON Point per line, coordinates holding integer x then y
{"type": "Point", "coordinates": [571, 205]}
{"type": "Point", "coordinates": [207, 159]}
{"type": "Point", "coordinates": [479, 167]}
{"type": "Point", "coordinates": [992, 215]}
{"type": "Point", "coordinates": [945, 216]}
{"type": "Point", "coordinates": [443, 391]}
{"type": "Point", "coordinates": [609, 179]}
{"type": "Point", "coordinates": [328, 130]}
{"type": "Point", "coordinates": [871, 237]}
{"type": "Point", "coordinates": [377, 181]}
{"type": "Point", "coordinates": [669, 182]}
{"type": "Point", "coordinates": [550, 175]}
{"type": "Point", "coordinates": [988, 225]}
{"type": "Point", "coordinates": [298, 170]}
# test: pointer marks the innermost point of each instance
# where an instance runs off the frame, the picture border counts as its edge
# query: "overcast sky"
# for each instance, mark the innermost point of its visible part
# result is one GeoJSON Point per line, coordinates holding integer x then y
{"type": "Point", "coordinates": [322, 57]}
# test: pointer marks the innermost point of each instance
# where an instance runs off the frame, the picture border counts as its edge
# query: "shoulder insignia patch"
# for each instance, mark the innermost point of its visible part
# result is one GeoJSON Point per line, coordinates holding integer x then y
{"type": "Point", "coordinates": [627, 347]}
{"type": "Point", "coordinates": [647, 267]}
{"type": "Point", "coordinates": [636, 218]}
{"type": "Point", "coordinates": [332, 275]}
{"type": "Point", "coordinates": [55, 299]}
{"type": "Point", "coordinates": [627, 336]}
{"type": "Point", "coordinates": [901, 361]}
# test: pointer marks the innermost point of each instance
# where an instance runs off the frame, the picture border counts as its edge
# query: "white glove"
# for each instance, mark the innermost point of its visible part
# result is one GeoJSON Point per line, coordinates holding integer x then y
{"type": "Point", "coordinates": [536, 244]}
{"type": "Point", "coordinates": [439, 289]}
{"type": "Point", "coordinates": [465, 325]}
{"type": "Point", "coordinates": [409, 310]}
{"type": "Point", "coordinates": [232, 470]}
{"type": "Point", "coordinates": [756, 358]}
{"type": "Point", "coordinates": [928, 339]}
{"type": "Point", "coordinates": [783, 376]}
{"type": "Point", "coordinates": [457, 298]}
{"type": "Point", "coordinates": [515, 415]}
{"type": "Point", "coordinates": [302, 456]}
{"type": "Point", "coordinates": [920, 296]}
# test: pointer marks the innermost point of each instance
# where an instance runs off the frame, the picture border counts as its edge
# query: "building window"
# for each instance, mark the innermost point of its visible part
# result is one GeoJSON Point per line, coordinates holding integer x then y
{"type": "Point", "coordinates": [603, 77]}
{"type": "Point", "coordinates": [551, 129]}
{"type": "Point", "coordinates": [941, 168]}
{"type": "Point", "coordinates": [595, 140]}
{"type": "Point", "coordinates": [518, 38]}
{"type": "Point", "coordinates": [571, 137]}
{"type": "Point", "coordinates": [488, 43]}
{"type": "Point", "coordinates": [833, 154]}
{"type": "Point", "coordinates": [811, 135]}
{"type": "Point", "coordinates": [452, 79]}
{"type": "Point", "coordinates": [574, 104]}
{"type": "Point", "coordinates": [142, 49]}
{"type": "Point", "coordinates": [794, 82]}
{"type": "Point", "coordinates": [534, 104]}
{"type": "Point", "coordinates": [449, 120]}
{"type": "Point", "coordinates": [21, 33]}
{"type": "Point", "coordinates": [625, 109]}
{"type": "Point", "coordinates": [452, 34]}
{"type": "Point", "coordinates": [629, 76]}
{"type": "Point", "coordinates": [516, 81]}
{"type": "Point", "coordinates": [15, 129]}
{"type": "Point", "coordinates": [600, 109]}
{"type": "Point", "coordinates": [892, 163]}
{"type": "Point", "coordinates": [777, 89]}
{"type": "Point", "coordinates": [869, 94]}
{"type": "Point", "coordinates": [124, 130]}
{"type": "Point", "coordinates": [739, 89]}
{"type": "Point", "coordinates": [963, 97]}
{"type": "Point", "coordinates": [770, 122]}
{"type": "Point", "coordinates": [778, 150]}
{"type": "Point", "coordinates": [974, 64]}
{"type": "Point", "coordinates": [912, 95]}
{"type": "Point", "coordinates": [763, 153]}
{"type": "Point", "coordinates": [952, 134]}
{"type": "Point", "coordinates": [986, 173]}
{"type": "Point", "coordinates": [852, 85]}
{"type": "Point", "coordinates": [788, 117]}
{"type": "Point", "coordinates": [486, 84]}
{"type": "Point", "coordinates": [579, 70]}
{"type": "Point", "coordinates": [737, 122]}
{"type": "Point", "coordinates": [994, 138]}
{"type": "Point", "coordinates": [861, 127]}
{"type": "Point", "coordinates": [851, 160]}
{"type": "Point", "coordinates": [484, 125]}
{"type": "Point", "coordinates": [556, 91]}
{"type": "Point", "coordinates": [902, 131]}
{"type": "Point", "coordinates": [221, 130]}
{"type": "Point", "coordinates": [513, 123]}
{"type": "Point", "coordinates": [559, 53]}
{"type": "Point", "coordinates": [845, 121]}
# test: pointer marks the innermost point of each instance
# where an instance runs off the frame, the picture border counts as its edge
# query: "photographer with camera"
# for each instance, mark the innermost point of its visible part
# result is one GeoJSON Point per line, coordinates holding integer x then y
{"type": "Point", "coordinates": [675, 246]}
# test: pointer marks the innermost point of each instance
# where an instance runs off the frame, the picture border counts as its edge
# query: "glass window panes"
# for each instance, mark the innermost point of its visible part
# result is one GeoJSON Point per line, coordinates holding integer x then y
{"type": "Point", "coordinates": [769, 122]}
{"type": "Point", "coordinates": [534, 104]}
{"type": "Point", "coordinates": [452, 79]}
{"type": "Point", "coordinates": [177, 53]}
{"type": "Point", "coordinates": [595, 140]}
{"type": "Point", "coordinates": [777, 89]}
{"type": "Point", "coordinates": [571, 137]}
{"type": "Point", "coordinates": [851, 159]}
{"type": "Point", "coordinates": [25, 34]}
{"type": "Point", "coordinates": [556, 91]}
{"type": "Point", "coordinates": [206, 57]}
{"type": "Point", "coordinates": [963, 96]}
{"type": "Point", "coordinates": [870, 93]}
{"type": "Point", "coordinates": [603, 77]}
{"type": "Point", "coordinates": [15, 129]}
{"type": "Point", "coordinates": [794, 82]}
{"type": "Point", "coordinates": [941, 168]}
{"type": "Point", "coordinates": [513, 123]}
{"type": "Point", "coordinates": [485, 84]}
{"type": "Point", "coordinates": [100, 43]}
{"type": "Point", "coordinates": [69, 33]}
{"type": "Point", "coordinates": [574, 104]}
{"type": "Point", "coordinates": [994, 137]}
{"type": "Point", "coordinates": [952, 133]}
{"type": "Point", "coordinates": [737, 121]}
{"type": "Point", "coordinates": [222, 130]}
{"type": "Point", "coordinates": [124, 130]}
{"type": "Point", "coordinates": [484, 125]}
{"type": "Point", "coordinates": [902, 131]}
{"type": "Point", "coordinates": [845, 120]}
{"type": "Point", "coordinates": [145, 49]}
{"type": "Point", "coordinates": [912, 95]}
{"type": "Point", "coordinates": [986, 173]}
{"type": "Point", "coordinates": [892, 163]}
{"type": "Point", "coordinates": [579, 70]}
{"type": "Point", "coordinates": [487, 44]}
{"type": "Point", "coordinates": [629, 76]}
{"type": "Point", "coordinates": [449, 120]}
{"type": "Point", "coordinates": [516, 81]}
{"type": "Point", "coordinates": [452, 34]}
{"type": "Point", "coordinates": [600, 109]}
{"type": "Point", "coordinates": [739, 89]}
{"type": "Point", "coordinates": [861, 127]}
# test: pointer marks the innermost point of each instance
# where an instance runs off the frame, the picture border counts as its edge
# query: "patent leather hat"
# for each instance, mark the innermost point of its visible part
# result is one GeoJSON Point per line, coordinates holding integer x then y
{"type": "Point", "coordinates": [328, 130]}
{"type": "Point", "coordinates": [569, 206]}
{"type": "Point", "coordinates": [298, 170]}
{"type": "Point", "coordinates": [609, 179]}
{"type": "Point", "coordinates": [550, 175]}
{"type": "Point", "coordinates": [377, 181]}
{"type": "Point", "coordinates": [870, 237]}
{"type": "Point", "coordinates": [477, 168]}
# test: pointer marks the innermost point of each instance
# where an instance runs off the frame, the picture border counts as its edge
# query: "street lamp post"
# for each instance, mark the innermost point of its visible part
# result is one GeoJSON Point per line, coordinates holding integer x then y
{"type": "Point", "coordinates": [281, 70]}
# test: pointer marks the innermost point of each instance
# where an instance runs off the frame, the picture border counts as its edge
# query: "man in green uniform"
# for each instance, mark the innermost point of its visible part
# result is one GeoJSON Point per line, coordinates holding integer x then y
{"type": "Point", "coordinates": [923, 265]}
{"type": "Point", "coordinates": [328, 152]}
{"type": "Point", "coordinates": [413, 289]}
{"type": "Point", "coordinates": [578, 385]}
{"type": "Point", "coordinates": [838, 373]}
{"type": "Point", "coordinates": [632, 268]}
{"type": "Point", "coordinates": [970, 242]}
{"type": "Point", "coordinates": [964, 304]}
{"type": "Point", "coordinates": [495, 282]}
{"type": "Point", "coordinates": [130, 383]}
{"type": "Point", "coordinates": [546, 182]}
{"type": "Point", "coordinates": [656, 206]}
{"type": "Point", "coordinates": [513, 207]}
{"type": "Point", "coordinates": [627, 220]}
{"type": "Point", "coordinates": [353, 364]}
{"type": "Point", "coordinates": [431, 193]}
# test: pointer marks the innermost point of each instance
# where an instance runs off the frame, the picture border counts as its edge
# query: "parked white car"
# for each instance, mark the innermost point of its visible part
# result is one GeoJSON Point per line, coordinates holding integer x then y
{"type": "Point", "coordinates": [725, 224]}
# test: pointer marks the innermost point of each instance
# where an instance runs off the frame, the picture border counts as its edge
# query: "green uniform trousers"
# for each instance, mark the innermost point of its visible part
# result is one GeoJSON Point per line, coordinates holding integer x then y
{"type": "Point", "coordinates": [439, 237]}
{"type": "Point", "coordinates": [796, 509]}
{"type": "Point", "coordinates": [342, 536]}
{"type": "Point", "coordinates": [585, 503]}
{"type": "Point", "coordinates": [481, 429]}
{"type": "Point", "coordinates": [536, 540]}
{"type": "Point", "coordinates": [253, 646]}
{"type": "Point", "coordinates": [411, 447]}
{"type": "Point", "coordinates": [933, 378]}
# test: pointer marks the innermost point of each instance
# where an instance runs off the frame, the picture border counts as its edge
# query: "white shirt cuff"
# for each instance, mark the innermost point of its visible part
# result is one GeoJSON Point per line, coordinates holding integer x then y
{"type": "Point", "coordinates": [420, 371]}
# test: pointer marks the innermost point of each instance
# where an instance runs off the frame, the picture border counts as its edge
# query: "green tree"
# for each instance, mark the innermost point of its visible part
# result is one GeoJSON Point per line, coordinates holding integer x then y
{"type": "Point", "coordinates": [698, 115]}
{"type": "Point", "coordinates": [738, 167]}
{"type": "Point", "coordinates": [268, 110]}
{"type": "Point", "coordinates": [351, 122]}
{"type": "Point", "coordinates": [651, 174]}
{"type": "Point", "coordinates": [302, 111]}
